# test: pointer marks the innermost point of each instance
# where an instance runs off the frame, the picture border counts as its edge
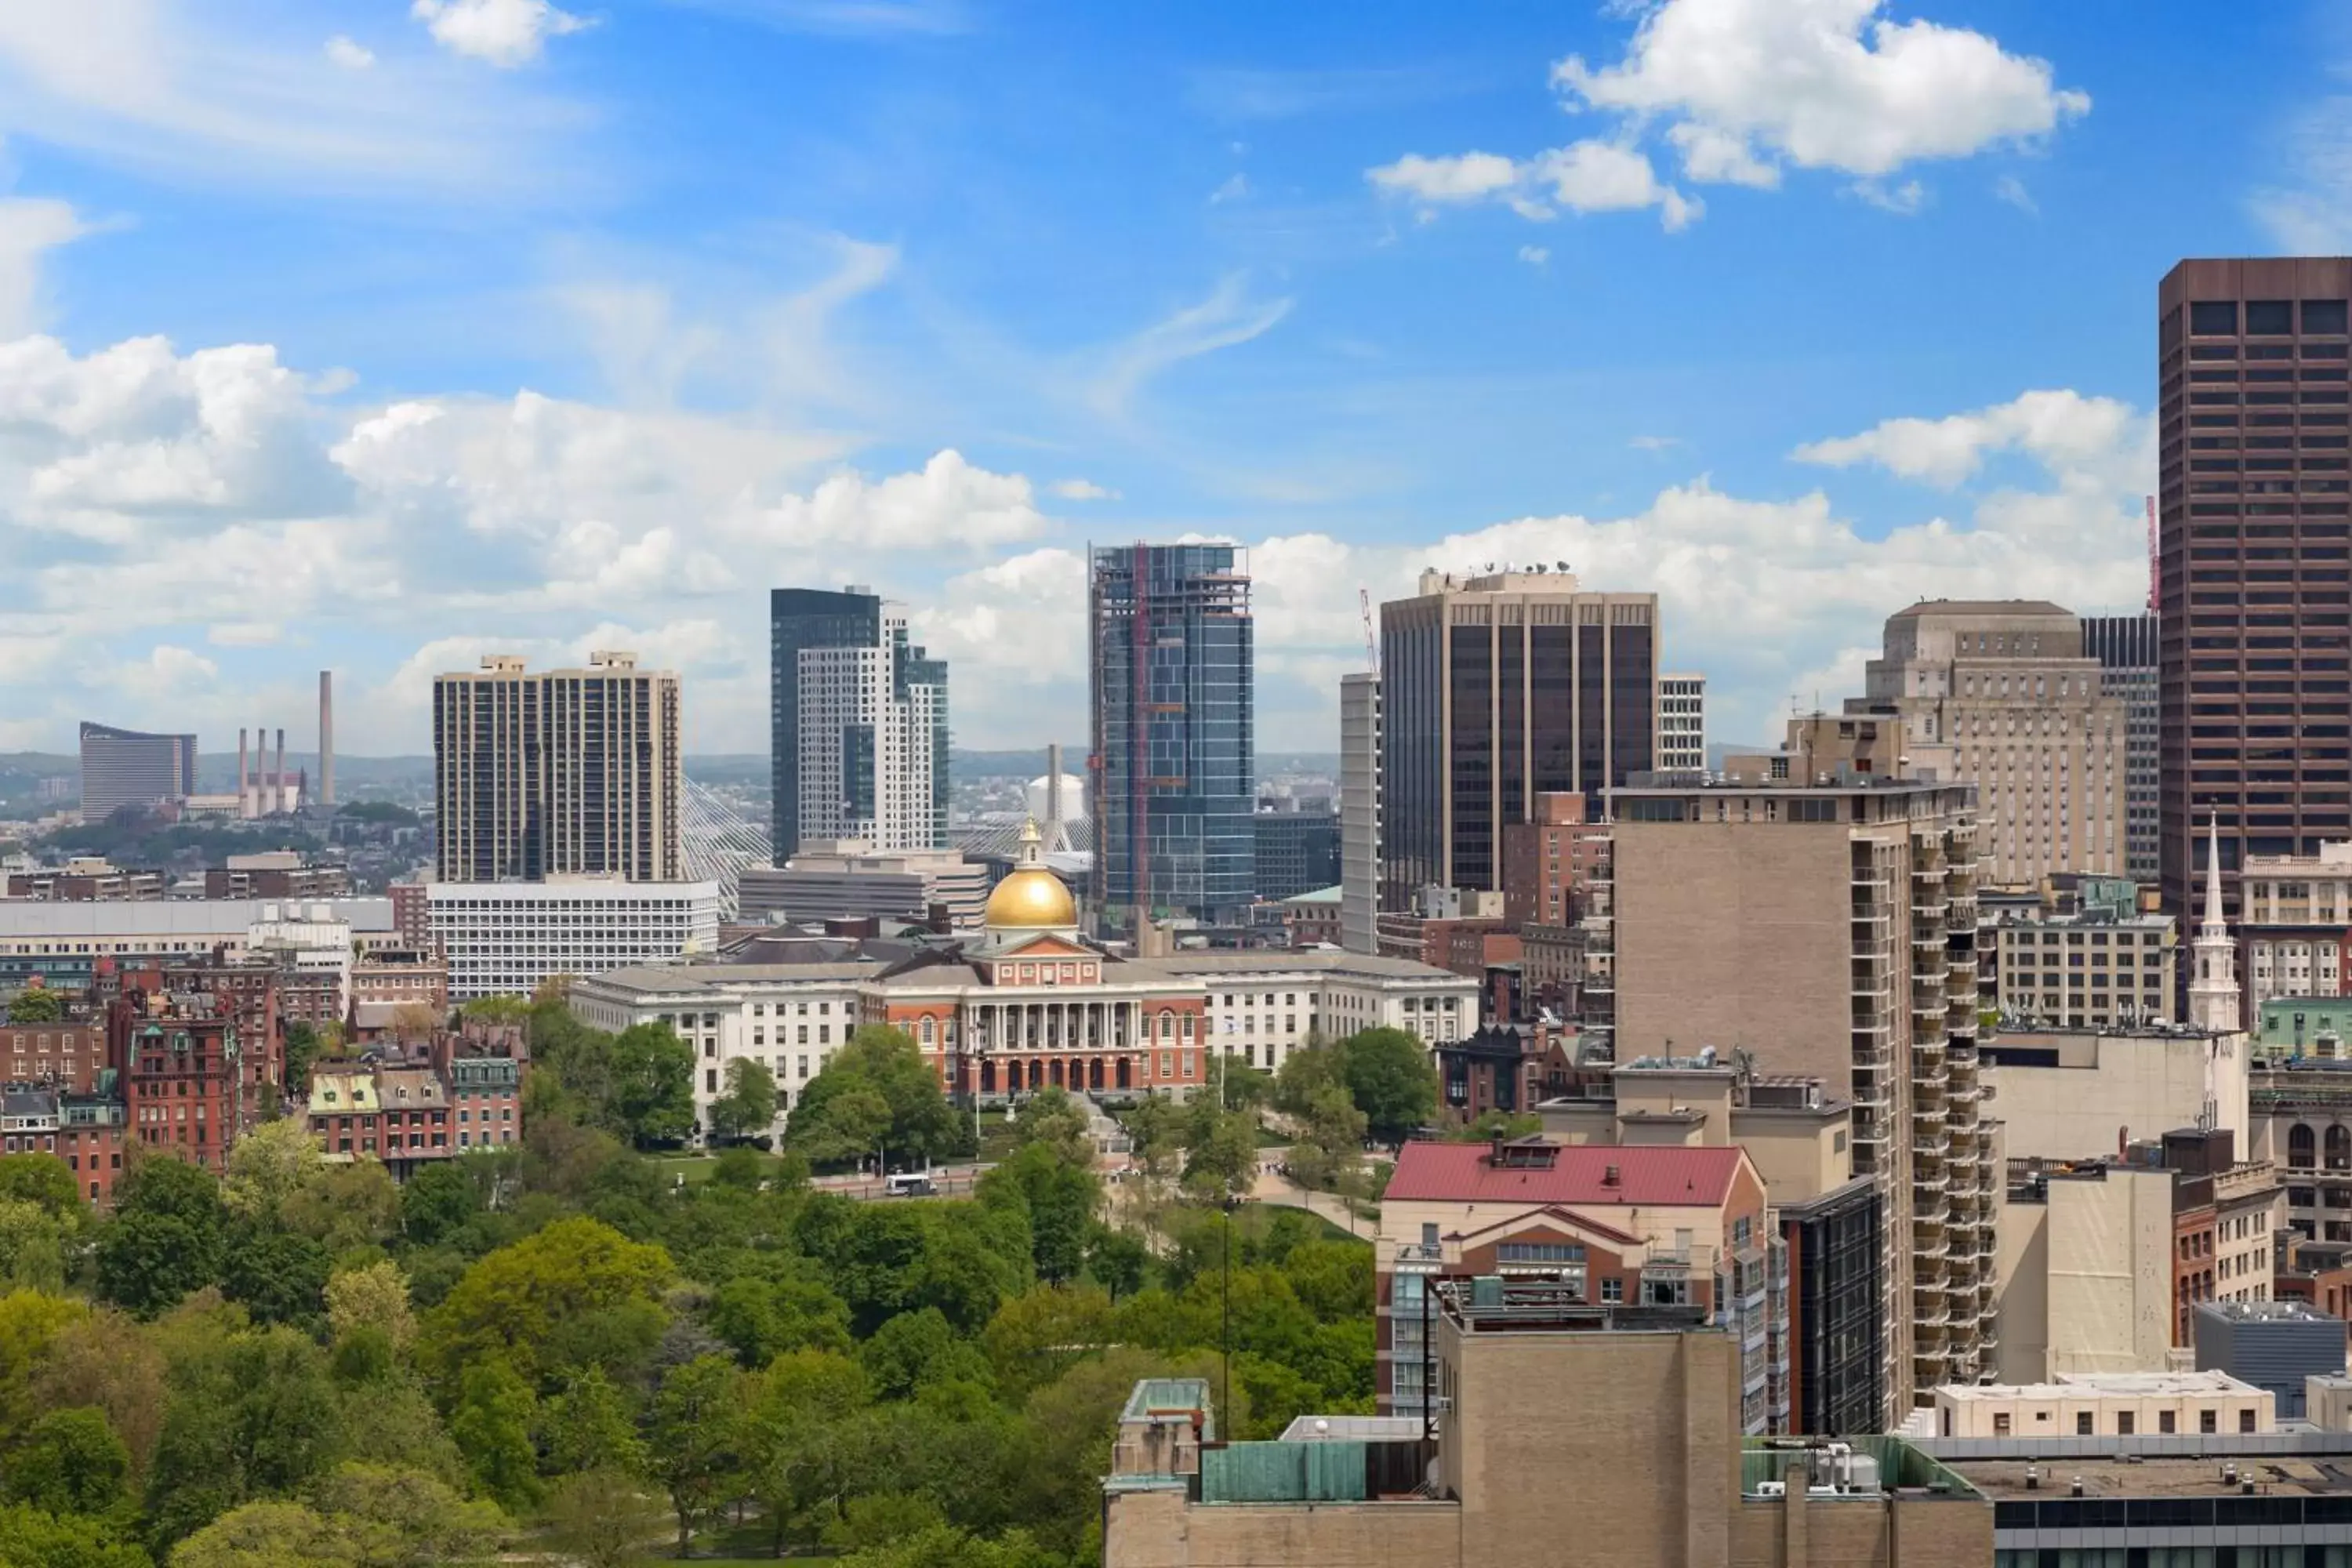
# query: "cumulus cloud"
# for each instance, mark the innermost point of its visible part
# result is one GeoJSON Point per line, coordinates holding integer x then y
{"type": "Point", "coordinates": [2098, 438]}
{"type": "Point", "coordinates": [1740, 89]}
{"type": "Point", "coordinates": [348, 54]}
{"type": "Point", "coordinates": [30, 228]}
{"type": "Point", "coordinates": [505, 33]}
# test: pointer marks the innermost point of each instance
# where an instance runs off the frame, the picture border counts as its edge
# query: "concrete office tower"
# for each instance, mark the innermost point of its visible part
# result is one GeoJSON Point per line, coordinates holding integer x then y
{"type": "Point", "coordinates": [858, 723]}
{"type": "Point", "coordinates": [1173, 772]}
{"type": "Point", "coordinates": [326, 739]}
{"type": "Point", "coordinates": [1831, 932]}
{"type": "Point", "coordinates": [125, 767]}
{"type": "Point", "coordinates": [1494, 691]}
{"type": "Point", "coordinates": [2257, 720]}
{"type": "Point", "coordinates": [1681, 723]}
{"type": "Point", "coordinates": [2125, 647]}
{"type": "Point", "coordinates": [562, 772]}
{"type": "Point", "coordinates": [1999, 694]}
{"type": "Point", "coordinates": [1359, 811]}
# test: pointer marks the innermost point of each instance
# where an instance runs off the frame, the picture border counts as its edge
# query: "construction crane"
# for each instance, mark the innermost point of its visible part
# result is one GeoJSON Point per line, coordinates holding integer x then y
{"type": "Point", "coordinates": [1372, 644]}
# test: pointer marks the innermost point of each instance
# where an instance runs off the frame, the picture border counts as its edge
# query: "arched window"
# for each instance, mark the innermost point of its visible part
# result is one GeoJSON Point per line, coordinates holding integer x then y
{"type": "Point", "coordinates": [927, 1035]}
{"type": "Point", "coordinates": [2302, 1146]}
{"type": "Point", "coordinates": [1167, 1025]}
{"type": "Point", "coordinates": [2340, 1148]}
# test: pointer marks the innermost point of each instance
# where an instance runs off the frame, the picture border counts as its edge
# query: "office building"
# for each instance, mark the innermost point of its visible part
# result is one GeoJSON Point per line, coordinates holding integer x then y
{"type": "Point", "coordinates": [2275, 1346]}
{"type": "Point", "coordinates": [2294, 926]}
{"type": "Point", "coordinates": [1360, 813]}
{"type": "Point", "coordinates": [1495, 689]}
{"type": "Point", "coordinates": [1174, 774]}
{"type": "Point", "coordinates": [1295, 852]}
{"type": "Point", "coordinates": [873, 738]}
{"type": "Point", "coordinates": [275, 874]}
{"type": "Point", "coordinates": [65, 945]}
{"type": "Point", "coordinates": [2069, 1093]}
{"type": "Point", "coordinates": [2125, 647]}
{"type": "Point", "coordinates": [1641, 1404]}
{"type": "Point", "coordinates": [1681, 723]}
{"type": "Point", "coordinates": [851, 880]}
{"type": "Point", "coordinates": [2085, 971]}
{"type": "Point", "coordinates": [502, 939]}
{"type": "Point", "coordinates": [1999, 694]}
{"type": "Point", "coordinates": [564, 772]}
{"type": "Point", "coordinates": [2256, 635]}
{"type": "Point", "coordinates": [125, 767]}
{"type": "Point", "coordinates": [1831, 931]}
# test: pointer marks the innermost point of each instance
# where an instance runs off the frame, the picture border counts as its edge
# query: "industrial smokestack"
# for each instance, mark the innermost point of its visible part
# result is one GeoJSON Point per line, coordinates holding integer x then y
{"type": "Point", "coordinates": [240, 772]}
{"type": "Point", "coordinates": [278, 779]}
{"type": "Point", "coordinates": [327, 737]}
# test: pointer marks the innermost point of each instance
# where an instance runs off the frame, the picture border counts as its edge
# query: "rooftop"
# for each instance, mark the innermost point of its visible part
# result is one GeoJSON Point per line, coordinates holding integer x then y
{"type": "Point", "coordinates": [2101, 1385]}
{"type": "Point", "coordinates": [1536, 1173]}
{"type": "Point", "coordinates": [2153, 1476]}
{"type": "Point", "coordinates": [175, 918]}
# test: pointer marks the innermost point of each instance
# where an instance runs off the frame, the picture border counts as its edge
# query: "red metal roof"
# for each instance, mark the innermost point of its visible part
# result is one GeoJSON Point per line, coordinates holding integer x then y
{"type": "Point", "coordinates": [1463, 1173]}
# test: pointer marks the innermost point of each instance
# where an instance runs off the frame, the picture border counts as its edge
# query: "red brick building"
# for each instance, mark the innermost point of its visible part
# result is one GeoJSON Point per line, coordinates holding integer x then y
{"type": "Point", "coordinates": [1550, 860]}
{"type": "Point", "coordinates": [68, 1055]}
{"type": "Point", "coordinates": [84, 1131]}
{"type": "Point", "coordinates": [181, 1063]}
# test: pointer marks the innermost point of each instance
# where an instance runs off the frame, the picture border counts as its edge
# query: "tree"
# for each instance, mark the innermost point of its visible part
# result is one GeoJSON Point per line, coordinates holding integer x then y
{"type": "Point", "coordinates": [345, 1207]}
{"type": "Point", "coordinates": [653, 1084]}
{"type": "Point", "coordinates": [250, 1415]}
{"type": "Point", "coordinates": [416, 1021]}
{"type": "Point", "coordinates": [363, 1516]}
{"type": "Point", "coordinates": [437, 1201]}
{"type": "Point", "coordinates": [1052, 1116]}
{"type": "Point", "coordinates": [1236, 1085]}
{"type": "Point", "coordinates": [1059, 1195]}
{"type": "Point", "coordinates": [1221, 1161]}
{"type": "Point", "coordinates": [922, 1127]}
{"type": "Point", "coordinates": [917, 1350]}
{"type": "Point", "coordinates": [531, 1302]}
{"type": "Point", "coordinates": [103, 1360]}
{"type": "Point", "coordinates": [70, 1461]}
{"type": "Point", "coordinates": [302, 1047]}
{"type": "Point", "coordinates": [601, 1519]}
{"type": "Point", "coordinates": [589, 1427]}
{"type": "Point", "coordinates": [278, 1276]}
{"type": "Point", "coordinates": [495, 1010]}
{"type": "Point", "coordinates": [1035, 1337]}
{"type": "Point", "coordinates": [1116, 1259]}
{"type": "Point", "coordinates": [1390, 1076]}
{"type": "Point", "coordinates": [373, 1297]}
{"type": "Point", "coordinates": [749, 1106]}
{"type": "Point", "coordinates": [41, 1180]}
{"type": "Point", "coordinates": [799, 1434]}
{"type": "Point", "coordinates": [166, 1236]}
{"type": "Point", "coordinates": [36, 1004]}
{"type": "Point", "coordinates": [266, 1165]}
{"type": "Point", "coordinates": [845, 1127]}
{"type": "Point", "coordinates": [491, 1425]}
{"type": "Point", "coordinates": [760, 1319]}
{"type": "Point", "coordinates": [33, 1245]}
{"type": "Point", "coordinates": [693, 1445]}
{"type": "Point", "coordinates": [30, 1536]}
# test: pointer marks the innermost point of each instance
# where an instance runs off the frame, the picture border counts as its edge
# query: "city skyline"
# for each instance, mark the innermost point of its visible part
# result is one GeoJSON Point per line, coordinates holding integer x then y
{"type": "Point", "coordinates": [508, 350]}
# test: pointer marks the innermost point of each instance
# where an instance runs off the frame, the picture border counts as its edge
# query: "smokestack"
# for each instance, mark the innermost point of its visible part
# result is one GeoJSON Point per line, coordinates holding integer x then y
{"type": "Point", "coordinates": [1054, 784]}
{"type": "Point", "coordinates": [327, 737]}
{"type": "Point", "coordinates": [240, 772]}
{"type": "Point", "coordinates": [278, 779]}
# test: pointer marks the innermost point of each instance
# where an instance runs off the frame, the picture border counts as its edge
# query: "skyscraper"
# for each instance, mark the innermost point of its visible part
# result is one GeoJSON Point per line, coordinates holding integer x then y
{"type": "Point", "coordinates": [1359, 811]}
{"type": "Point", "coordinates": [125, 767]}
{"type": "Point", "coordinates": [2255, 687]}
{"type": "Point", "coordinates": [1494, 691]}
{"type": "Point", "coordinates": [801, 618]}
{"type": "Point", "coordinates": [1174, 763]}
{"type": "Point", "coordinates": [2125, 647]}
{"type": "Point", "coordinates": [872, 746]}
{"type": "Point", "coordinates": [567, 771]}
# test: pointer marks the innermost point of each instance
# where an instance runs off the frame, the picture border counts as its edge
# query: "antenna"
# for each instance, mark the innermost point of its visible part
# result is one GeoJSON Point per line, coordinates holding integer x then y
{"type": "Point", "coordinates": [1371, 643]}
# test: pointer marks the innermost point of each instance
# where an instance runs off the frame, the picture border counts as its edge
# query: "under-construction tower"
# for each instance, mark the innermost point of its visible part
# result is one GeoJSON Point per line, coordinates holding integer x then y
{"type": "Point", "coordinates": [1174, 771]}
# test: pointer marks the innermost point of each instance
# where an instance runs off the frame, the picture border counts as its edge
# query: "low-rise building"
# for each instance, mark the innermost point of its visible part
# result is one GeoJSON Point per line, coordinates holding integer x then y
{"type": "Point", "coordinates": [2274, 1345]}
{"type": "Point", "coordinates": [850, 880]}
{"type": "Point", "coordinates": [2085, 971]}
{"type": "Point", "coordinates": [69, 1054]}
{"type": "Point", "coordinates": [1312, 918]}
{"type": "Point", "coordinates": [459, 1093]}
{"type": "Point", "coordinates": [84, 1131]}
{"type": "Point", "coordinates": [2105, 1404]}
{"type": "Point", "coordinates": [64, 944]}
{"type": "Point", "coordinates": [275, 874]}
{"type": "Point", "coordinates": [507, 938]}
{"type": "Point", "coordinates": [2067, 1092]}
{"type": "Point", "coordinates": [88, 880]}
{"type": "Point", "coordinates": [2294, 930]}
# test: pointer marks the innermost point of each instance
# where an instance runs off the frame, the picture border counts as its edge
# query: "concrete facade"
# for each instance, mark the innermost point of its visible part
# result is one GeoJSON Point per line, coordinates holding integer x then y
{"type": "Point", "coordinates": [2068, 1093]}
{"type": "Point", "coordinates": [2085, 1273]}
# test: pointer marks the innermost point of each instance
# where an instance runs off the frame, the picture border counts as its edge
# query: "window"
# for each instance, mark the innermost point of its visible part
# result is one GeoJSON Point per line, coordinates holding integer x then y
{"type": "Point", "coordinates": [1540, 1252]}
{"type": "Point", "coordinates": [2323, 316]}
{"type": "Point", "coordinates": [2124, 1422]}
{"type": "Point", "coordinates": [2269, 318]}
{"type": "Point", "coordinates": [1612, 1290]}
{"type": "Point", "coordinates": [2246, 1420]}
{"type": "Point", "coordinates": [2083, 1426]}
{"type": "Point", "coordinates": [2213, 318]}
{"type": "Point", "coordinates": [2000, 1423]}
{"type": "Point", "coordinates": [2209, 1421]}
{"type": "Point", "coordinates": [2164, 1421]}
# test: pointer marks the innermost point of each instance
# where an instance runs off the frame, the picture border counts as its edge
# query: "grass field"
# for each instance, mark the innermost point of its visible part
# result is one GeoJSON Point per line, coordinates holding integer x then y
{"type": "Point", "coordinates": [1257, 1218]}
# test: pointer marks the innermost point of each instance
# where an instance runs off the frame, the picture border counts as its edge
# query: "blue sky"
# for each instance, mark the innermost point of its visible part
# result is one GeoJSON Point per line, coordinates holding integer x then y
{"type": "Point", "coordinates": [377, 334]}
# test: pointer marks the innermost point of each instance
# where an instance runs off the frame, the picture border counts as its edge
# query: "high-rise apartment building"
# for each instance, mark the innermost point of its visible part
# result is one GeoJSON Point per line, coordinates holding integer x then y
{"type": "Point", "coordinates": [1681, 723]}
{"type": "Point", "coordinates": [1998, 693]}
{"type": "Point", "coordinates": [2255, 646]}
{"type": "Point", "coordinates": [858, 723]}
{"type": "Point", "coordinates": [1831, 931]}
{"type": "Point", "coordinates": [2125, 647]}
{"type": "Point", "coordinates": [1359, 811]}
{"type": "Point", "coordinates": [562, 772]}
{"type": "Point", "coordinates": [1495, 689]}
{"type": "Point", "coordinates": [125, 767]}
{"type": "Point", "coordinates": [1173, 770]}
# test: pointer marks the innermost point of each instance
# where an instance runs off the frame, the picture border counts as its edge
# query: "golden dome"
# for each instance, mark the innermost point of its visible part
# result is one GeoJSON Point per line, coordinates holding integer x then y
{"type": "Point", "coordinates": [1031, 898]}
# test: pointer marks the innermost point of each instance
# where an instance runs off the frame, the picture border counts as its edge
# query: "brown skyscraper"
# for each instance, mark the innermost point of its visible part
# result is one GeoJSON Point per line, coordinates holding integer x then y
{"type": "Point", "coordinates": [2257, 723]}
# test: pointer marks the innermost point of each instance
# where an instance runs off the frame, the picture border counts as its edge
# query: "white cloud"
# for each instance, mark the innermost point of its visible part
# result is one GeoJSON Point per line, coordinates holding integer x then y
{"type": "Point", "coordinates": [2309, 210]}
{"type": "Point", "coordinates": [1081, 490]}
{"type": "Point", "coordinates": [2010, 189]}
{"type": "Point", "coordinates": [2069, 434]}
{"type": "Point", "coordinates": [1824, 84]}
{"type": "Point", "coordinates": [1739, 89]}
{"type": "Point", "coordinates": [1236, 187]}
{"type": "Point", "coordinates": [30, 227]}
{"type": "Point", "coordinates": [505, 33]}
{"type": "Point", "coordinates": [246, 634]}
{"type": "Point", "coordinates": [1584, 177]}
{"type": "Point", "coordinates": [1228, 318]}
{"type": "Point", "coordinates": [1534, 255]}
{"type": "Point", "coordinates": [1654, 443]}
{"type": "Point", "coordinates": [350, 56]}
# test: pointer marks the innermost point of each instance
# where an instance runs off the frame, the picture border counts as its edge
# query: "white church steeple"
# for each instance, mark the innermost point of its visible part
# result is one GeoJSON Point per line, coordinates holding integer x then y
{"type": "Point", "coordinates": [2213, 990]}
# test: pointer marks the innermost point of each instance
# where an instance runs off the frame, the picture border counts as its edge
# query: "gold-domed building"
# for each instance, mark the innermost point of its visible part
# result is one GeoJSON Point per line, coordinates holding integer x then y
{"type": "Point", "coordinates": [1031, 898]}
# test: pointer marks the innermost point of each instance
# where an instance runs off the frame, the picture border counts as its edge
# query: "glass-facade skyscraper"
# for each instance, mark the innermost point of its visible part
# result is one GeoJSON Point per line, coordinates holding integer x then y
{"type": "Point", "coordinates": [1173, 775]}
{"type": "Point", "coordinates": [857, 724]}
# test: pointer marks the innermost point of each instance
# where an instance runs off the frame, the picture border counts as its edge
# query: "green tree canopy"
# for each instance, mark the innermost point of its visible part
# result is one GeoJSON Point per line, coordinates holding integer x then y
{"type": "Point", "coordinates": [167, 1237]}
{"type": "Point", "coordinates": [653, 1084]}
{"type": "Point", "coordinates": [550, 1302]}
{"type": "Point", "coordinates": [36, 1004]}
{"type": "Point", "coordinates": [70, 1461]}
{"type": "Point", "coordinates": [886, 1064]}
{"type": "Point", "coordinates": [1391, 1080]}
{"type": "Point", "coordinates": [749, 1106]}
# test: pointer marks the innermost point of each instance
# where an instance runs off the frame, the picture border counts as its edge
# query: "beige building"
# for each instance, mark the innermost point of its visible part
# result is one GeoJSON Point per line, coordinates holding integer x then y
{"type": "Point", "coordinates": [1998, 694]}
{"type": "Point", "coordinates": [2295, 921]}
{"type": "Point", "coordinates": [2066, 1093]}
{"type": "Point", "coordinates": [2087, 970]}
{"type": "Point", "coordinates": [1573, 1439]}
{"type": "Point", "coordinates": [1830, 933]}
{"type": "Point", "coordinates": [2086, 1276]}
{"type": "Point", "coordinates": [1798, 1137]}
{"type": "Point", "coordinates": [2133, 1405]}
{"type": "Point", "coordinates": [567, 771]}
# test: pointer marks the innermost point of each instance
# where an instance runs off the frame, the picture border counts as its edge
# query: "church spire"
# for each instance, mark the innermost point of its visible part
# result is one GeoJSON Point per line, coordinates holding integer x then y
{"type": "Point", "coordinates": [2213, 993]}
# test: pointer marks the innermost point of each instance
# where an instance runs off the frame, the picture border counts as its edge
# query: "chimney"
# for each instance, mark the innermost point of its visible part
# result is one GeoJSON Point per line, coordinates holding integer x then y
{"type": "Point", "coordinates": [1495, 1151]}
{"type": "Point", "coordinates": [327, 737]}
{"type": "Point", "coordinates": [278, 779]}
{"type": "Point", "coordinates": [1609, 1177]}
{"type": "Point", "coordinates": [240, 772]}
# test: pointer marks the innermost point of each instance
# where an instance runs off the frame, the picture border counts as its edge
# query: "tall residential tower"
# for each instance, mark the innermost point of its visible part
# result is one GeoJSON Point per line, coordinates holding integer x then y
{"type": "Point", "coordinates": [867, 757]}
{"type": "Point", "coordinates": [562, 772]}
{"type": "Point", "coordinates": [1173, 772]}
{"type": "Point", "coordinates": [125, 767]}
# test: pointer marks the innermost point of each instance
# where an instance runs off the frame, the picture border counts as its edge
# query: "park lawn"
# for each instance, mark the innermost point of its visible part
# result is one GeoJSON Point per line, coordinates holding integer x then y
{"type": "Point", "coordinates": [1257, 1218]}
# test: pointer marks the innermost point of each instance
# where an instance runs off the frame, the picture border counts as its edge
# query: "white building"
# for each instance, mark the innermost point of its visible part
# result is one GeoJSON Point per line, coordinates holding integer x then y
{"type": "Point", "coordinates": [1360, 813]}
{"type": "Point", "coordinates": [1262, 1005]}
{"type": "Point", "coordinates": [873, 742]}
{"type": "Point", "coordinates": [2297, 920]}
{"type": "Point", "coordinates": [62, 942]}
{"type": "Point", "coordinates": [311, 937]}
{"type": "Point", "coordinates": [504, 938]}
{"type": "Point", "coordinates": [848, 878]}
{"type": "Point", "coordinates": [2105, 1404]}
{"type": "Point", "coordinates": [1681, 723]}
{"type": "Point", "coordinates": [2065, 1093]}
